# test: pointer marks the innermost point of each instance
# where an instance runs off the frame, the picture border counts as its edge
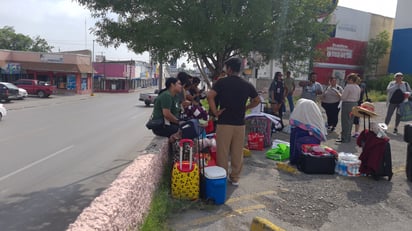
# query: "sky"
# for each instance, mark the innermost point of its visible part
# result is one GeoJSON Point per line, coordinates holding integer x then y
{"type": "Point", "coordinates": [66, 25]}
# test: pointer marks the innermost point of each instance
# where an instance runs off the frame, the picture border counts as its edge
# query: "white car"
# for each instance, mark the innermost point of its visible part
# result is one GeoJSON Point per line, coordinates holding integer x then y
{"type": "Point", "coordinates": [22, 93]}
{"type": "Point", "coordinates": [3, 111]}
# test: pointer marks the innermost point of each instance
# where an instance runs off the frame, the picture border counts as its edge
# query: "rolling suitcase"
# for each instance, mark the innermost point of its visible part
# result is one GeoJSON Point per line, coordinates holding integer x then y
{"type": "Point", "coordinates": [407, 137]}
{"type": "Point", "coordinates": [298, 137]}
{"type": "Point", "coordinates": [409, 162]}
{"type": "Point", "coordinates": [185, 173]}
{"type": "Point", "coordinates": [376, 155]}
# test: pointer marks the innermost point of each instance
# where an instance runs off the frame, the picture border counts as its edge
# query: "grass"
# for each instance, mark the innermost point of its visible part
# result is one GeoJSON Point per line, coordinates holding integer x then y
{"type": "Point", "coordinates": [163, 206]}
{"type": "Point", "coordinates": [377, 96]}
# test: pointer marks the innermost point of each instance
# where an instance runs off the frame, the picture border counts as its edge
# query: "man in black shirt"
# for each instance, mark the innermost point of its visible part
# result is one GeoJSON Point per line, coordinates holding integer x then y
{"type": "Point", "coordinates": [233, 93]}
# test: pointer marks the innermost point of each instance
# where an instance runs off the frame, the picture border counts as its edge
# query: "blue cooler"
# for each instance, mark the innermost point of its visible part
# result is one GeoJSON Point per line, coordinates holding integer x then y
{"type": "Point", "coordinates": [215, 184]}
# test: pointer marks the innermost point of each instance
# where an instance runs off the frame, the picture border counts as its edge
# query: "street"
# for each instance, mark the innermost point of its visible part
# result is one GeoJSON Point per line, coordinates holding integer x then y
{"type": "Point", "coordinates": [58, 154]}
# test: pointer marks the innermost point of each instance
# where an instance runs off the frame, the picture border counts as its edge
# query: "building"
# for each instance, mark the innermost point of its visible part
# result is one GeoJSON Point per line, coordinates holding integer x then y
{"type": "Point", "coordinates": [345, 51]}
{"type": "Point", "coordinates": [70, 72]}
{"type": "Point", "coordinates": [122, 76]}
{"type": "Point", "coordinates": [401, 53]}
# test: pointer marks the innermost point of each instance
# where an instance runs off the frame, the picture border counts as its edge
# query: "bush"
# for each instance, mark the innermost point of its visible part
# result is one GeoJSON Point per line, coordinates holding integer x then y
{"type": "Point", "coordinates": [379, 84]}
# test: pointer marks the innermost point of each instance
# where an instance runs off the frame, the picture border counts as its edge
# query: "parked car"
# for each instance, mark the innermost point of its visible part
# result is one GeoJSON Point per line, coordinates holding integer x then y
{"type": "Point", "coordinates": [3, 111]}
{"type": "Point", "coordinates": [8, 91]}
{"type": "Point", "coordinates": [36, 87]}
{"type": "Point", "coordinates": [22, 93]}
{"type": "Point", "coordinates": [148, 98]}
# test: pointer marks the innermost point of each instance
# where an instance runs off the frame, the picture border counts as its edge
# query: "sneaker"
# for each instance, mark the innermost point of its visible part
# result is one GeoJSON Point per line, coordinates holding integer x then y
{"type": "Point", "coordinates": [355, 135]}
{"type": "Point", "coordinates": [395, 131]}
{"type": "Point", "coordinates": [338, 141]}
{"type": "Point", "coordinates": [234, 183]}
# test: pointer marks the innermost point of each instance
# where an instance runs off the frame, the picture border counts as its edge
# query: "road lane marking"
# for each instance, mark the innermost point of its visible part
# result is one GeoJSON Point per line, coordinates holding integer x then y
{"type": "Point", "coordinates": [35, 163]}
{"type": "Point", "coordinates": [212, 218]}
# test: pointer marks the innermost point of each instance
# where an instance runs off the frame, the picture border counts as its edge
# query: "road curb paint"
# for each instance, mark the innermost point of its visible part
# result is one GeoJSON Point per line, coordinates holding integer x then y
{"type": "Point", "coordinates": [286, 168]}
{"type": "Point", "coordinates": [216, 217]}
{"type": "Point", "coordinates": [262, 224]}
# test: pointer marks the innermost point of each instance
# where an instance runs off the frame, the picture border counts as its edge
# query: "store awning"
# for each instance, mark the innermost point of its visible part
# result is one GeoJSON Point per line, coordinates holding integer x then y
{"type": "Point", "coordinates": [56, 67]}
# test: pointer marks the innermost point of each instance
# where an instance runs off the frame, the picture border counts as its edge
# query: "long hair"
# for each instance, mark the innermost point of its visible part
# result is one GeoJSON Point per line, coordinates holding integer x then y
{"type": "Point", "coordinates": [277, 75]}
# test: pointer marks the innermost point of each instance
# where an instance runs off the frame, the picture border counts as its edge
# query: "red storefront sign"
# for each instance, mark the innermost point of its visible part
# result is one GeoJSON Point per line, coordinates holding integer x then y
{"type": "Point", "coordinates": [341, 57]}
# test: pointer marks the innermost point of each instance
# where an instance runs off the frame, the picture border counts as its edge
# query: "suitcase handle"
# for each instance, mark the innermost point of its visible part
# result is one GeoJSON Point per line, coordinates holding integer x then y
{"type": "Point", "coordinates": [181, 144]}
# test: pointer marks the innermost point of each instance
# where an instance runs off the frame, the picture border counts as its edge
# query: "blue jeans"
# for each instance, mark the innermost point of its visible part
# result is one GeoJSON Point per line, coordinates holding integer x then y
{"type": "Point", "coordinates": [290, 101]}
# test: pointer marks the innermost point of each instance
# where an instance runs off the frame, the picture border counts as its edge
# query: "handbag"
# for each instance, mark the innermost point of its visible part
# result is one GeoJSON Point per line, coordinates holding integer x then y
{"type": "Point", "coordinates": [397, 97]}
{"type": "Point", "coordinates": [405, 111]}
{"type": "Point", "coordinates": [155, 123]}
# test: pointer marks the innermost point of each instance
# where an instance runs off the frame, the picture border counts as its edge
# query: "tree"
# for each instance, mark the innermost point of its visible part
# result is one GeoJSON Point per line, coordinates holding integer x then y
{"type": "Point", "coordinates": [209, 32]}
{"type": "Point", "coordinates": [10, 40]}
{"type": "Point", "coordinates": [376, 49]}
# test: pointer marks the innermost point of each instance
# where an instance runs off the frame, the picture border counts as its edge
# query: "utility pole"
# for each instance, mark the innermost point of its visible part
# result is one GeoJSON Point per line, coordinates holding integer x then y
{"type": "Point", "coordinates": [91, 81]}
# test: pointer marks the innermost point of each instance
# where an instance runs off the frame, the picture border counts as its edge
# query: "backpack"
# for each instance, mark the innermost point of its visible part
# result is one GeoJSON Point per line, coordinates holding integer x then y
{"type": "Point", "coordinates": [397, 97]}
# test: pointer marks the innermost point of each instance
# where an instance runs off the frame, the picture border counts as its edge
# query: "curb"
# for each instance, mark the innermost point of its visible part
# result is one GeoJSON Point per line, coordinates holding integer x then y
{"type": "Point", "coordinates": [262, 224]}
{"type": "Point", "coordinates": [125, 203]}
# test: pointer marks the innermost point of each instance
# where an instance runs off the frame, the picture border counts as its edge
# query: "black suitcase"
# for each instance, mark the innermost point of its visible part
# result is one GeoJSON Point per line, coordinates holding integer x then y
{"type": "Point", "coordinates": [316, 164]}
{"type": "Point", "coordinates": [409, 162]}
{"type": "Point", "coordinates": [407, 133]}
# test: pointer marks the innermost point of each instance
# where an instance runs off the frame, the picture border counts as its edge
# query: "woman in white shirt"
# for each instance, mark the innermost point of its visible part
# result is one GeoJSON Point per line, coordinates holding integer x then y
{"type": "Point", "coordinates": [350, 97]}
{"type": "Point", "coordinates": [330, 102]}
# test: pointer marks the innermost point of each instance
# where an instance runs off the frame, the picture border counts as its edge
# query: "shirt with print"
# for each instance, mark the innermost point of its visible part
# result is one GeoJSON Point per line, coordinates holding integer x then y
{"type": "Point", "coordinates": [166, 101]}
{"type": "Point", "coordinates": [309, 92]}
{"type": "Point", "coordinates": [233, 93]}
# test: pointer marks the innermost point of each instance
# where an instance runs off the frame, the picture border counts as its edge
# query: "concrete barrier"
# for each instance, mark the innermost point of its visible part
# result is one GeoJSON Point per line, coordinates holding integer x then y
{"type": "Point", "coordinates": [124, 204]}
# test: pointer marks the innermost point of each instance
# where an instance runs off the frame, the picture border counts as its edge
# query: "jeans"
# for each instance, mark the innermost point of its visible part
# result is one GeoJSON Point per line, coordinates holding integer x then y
{"type": "Point", "coordinates": [347, 120]}
{"type": "Point", "coordinates": [389, 113]}
{"type": "Point", "coordinates": [290, 101]}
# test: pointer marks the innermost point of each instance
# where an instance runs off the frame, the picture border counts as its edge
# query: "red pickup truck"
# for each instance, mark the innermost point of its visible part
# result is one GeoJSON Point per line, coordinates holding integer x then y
{"type": "Point", "coordinates": [36, 87]}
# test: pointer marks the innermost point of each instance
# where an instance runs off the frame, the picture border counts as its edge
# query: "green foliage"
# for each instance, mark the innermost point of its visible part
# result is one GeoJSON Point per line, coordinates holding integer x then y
{"type": "Point", "coordinates": [377, 48]}
{"type": "Point", "coordinates": [212, 31]}
{"type": "Point", "coordinates": [10, 40]}
{"type": "Point", "coordinates": [163, 206]}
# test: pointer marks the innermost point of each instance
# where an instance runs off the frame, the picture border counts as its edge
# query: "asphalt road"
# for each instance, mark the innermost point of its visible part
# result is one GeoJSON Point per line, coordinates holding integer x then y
{"type": "Point", "coordinates": [58, 154]}
{"type": "Point", "coordinates": [309, 202]}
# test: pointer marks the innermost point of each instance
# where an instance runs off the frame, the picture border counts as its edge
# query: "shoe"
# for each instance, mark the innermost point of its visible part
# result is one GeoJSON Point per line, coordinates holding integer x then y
{"type": "Point", "coordinates": [395, 131]}
{"type": "Point", "coordinates": [355, 135]}
{"type": "Point", "coordinates": [338, 141]}
{"type": "Point", "coordinates": [234, 183]}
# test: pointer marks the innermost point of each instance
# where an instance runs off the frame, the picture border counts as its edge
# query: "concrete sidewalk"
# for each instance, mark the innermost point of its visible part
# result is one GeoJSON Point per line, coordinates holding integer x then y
{"type": "Point", "coordinates": [309, 202]}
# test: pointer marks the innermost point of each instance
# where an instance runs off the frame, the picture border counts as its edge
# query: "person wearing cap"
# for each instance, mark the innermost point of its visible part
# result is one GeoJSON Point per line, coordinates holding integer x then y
{"type": "Point", "coordinates": [350, 97]}
{"type": "Point", "coordinates": [396, 85]}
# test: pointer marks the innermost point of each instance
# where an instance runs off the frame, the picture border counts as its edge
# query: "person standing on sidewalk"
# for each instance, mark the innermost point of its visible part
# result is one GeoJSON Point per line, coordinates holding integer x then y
{"type": "Point", "coordinates": [330, 102]}
{"type": "Point", "coordinates": [311, 89]}
{"type": "Point", "coordinates": [289, 83]}
{"type": "Point", "coordinates": [395, 99]}
{"type": "Point", "coordinates": [233, 93]}
{"type": "Point", "coordinates": [350, 98]}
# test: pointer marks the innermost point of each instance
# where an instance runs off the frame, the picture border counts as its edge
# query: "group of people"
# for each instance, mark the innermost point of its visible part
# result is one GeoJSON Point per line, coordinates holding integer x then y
{"type": "Point", "coordinates": [229, 99]}
{"type": "Point", "coordinates": [337, 99]}
{"type": "Point", "coordinates": [232, 95]}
